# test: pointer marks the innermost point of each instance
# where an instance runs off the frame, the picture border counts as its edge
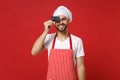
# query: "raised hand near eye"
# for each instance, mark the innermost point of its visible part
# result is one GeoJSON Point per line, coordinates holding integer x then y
{"type": "Point", "coordinates": [48, 24]}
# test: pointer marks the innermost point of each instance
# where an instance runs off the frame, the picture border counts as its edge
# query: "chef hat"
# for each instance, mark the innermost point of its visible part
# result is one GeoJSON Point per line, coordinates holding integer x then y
{"type": "Point", "coordinates": [62, 10]}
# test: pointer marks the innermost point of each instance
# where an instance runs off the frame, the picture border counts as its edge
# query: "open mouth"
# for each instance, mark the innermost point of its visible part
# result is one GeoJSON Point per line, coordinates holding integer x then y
{"type": "Point", "coordinates": [61, 26]}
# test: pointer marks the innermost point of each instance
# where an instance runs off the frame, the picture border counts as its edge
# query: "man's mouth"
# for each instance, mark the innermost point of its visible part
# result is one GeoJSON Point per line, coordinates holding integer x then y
{"type": "Point", "coordinates": [61, 25]}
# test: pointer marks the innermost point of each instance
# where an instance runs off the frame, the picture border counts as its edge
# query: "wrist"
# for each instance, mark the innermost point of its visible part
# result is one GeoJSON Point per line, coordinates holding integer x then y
{"type": "Point", "coordinates": [46, 31]}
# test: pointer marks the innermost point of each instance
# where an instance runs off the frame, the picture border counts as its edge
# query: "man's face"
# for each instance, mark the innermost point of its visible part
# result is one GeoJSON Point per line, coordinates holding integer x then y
{"type": "Point", "coordinates": [62, 25]}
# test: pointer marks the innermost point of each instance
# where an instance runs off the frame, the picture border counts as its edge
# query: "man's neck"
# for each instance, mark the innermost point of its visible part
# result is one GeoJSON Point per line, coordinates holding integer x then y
{"type": "Point", "coordinates": [62, 35]}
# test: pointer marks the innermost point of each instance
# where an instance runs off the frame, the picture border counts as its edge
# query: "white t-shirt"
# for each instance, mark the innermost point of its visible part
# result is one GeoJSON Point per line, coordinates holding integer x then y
{"type": "Point", "coordinates": [77, 45]}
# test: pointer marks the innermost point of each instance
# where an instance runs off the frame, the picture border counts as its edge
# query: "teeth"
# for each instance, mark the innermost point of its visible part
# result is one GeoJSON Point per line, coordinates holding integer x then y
{"type": "Point", "coordinates": [61, 26]}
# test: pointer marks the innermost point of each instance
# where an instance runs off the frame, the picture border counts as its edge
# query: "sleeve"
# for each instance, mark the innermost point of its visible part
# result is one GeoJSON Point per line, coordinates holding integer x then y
{"type": "Point", "coordinates": [46, 41]}
{"type": "Point", "coordinates": [80, 49]}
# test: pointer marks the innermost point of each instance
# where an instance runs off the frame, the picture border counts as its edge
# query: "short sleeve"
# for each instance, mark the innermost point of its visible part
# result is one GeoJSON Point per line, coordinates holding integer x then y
{"type": "Point", "coordinates": [48, 40]}
{"type": "Point", "coordinates": [80, 49]}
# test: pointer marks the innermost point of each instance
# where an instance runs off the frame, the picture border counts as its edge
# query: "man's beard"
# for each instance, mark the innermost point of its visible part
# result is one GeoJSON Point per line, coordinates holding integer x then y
{"type": "Point", "coordinates": [63, 29]}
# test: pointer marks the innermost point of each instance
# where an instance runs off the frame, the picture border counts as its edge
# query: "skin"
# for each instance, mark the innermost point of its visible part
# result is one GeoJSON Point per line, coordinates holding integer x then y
{"type": "Point", "coordinates": [62, 34]}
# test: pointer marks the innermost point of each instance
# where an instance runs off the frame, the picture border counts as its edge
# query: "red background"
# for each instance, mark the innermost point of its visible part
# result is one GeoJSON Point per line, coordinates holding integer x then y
{"type": "Point", "coordinates": [97, 22]}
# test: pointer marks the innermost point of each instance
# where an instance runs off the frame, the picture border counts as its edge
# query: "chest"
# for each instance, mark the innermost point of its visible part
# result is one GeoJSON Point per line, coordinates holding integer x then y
{"type": "Point", "coordinates": [62, 44]}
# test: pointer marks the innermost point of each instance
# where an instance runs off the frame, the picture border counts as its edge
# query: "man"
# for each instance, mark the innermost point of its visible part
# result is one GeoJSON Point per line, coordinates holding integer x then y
{"type": "Point", "coordinates": [65, 50]}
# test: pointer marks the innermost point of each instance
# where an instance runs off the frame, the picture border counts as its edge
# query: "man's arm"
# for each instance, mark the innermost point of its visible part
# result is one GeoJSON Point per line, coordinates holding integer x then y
{"type": "Point", "coordinates": [39, 46]}
{"type": "Point", "coordinates": [81, 68]}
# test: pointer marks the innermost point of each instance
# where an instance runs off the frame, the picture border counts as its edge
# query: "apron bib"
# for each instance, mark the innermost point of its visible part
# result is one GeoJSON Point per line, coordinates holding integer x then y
{"type": "Point", "coordinates": [61, 64]}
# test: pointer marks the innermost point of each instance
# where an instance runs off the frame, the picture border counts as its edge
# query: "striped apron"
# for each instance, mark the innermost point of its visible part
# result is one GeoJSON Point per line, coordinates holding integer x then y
{"type": "Point", "coordinates": [61, 64]}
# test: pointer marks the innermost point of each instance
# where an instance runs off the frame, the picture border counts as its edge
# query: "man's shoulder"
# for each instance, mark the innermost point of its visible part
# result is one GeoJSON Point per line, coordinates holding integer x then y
{"type": "Point", "coordinates": [49, 37]}
{"type": "Point", "coordinates": [51, 34]}
{"type": "Point", "coordinates": [74, 37]}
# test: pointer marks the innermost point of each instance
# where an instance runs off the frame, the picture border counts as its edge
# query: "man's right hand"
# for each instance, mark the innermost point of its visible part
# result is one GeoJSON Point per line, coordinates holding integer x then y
{"type": "Point", "coordinates": [48, 24]}
{"type": "Point", "coordinates": [39, 46]}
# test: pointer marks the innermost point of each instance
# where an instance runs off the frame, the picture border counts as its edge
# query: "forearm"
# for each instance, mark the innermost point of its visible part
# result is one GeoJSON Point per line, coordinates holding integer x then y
{"type": "Point", "coordinates": [39, 44]}
{"type": "Point", "coordinates": [81, 72]}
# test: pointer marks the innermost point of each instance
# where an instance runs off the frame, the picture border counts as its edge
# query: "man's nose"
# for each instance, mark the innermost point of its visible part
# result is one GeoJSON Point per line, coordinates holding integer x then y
{"type": "Point", "coordinates": [61, 21]}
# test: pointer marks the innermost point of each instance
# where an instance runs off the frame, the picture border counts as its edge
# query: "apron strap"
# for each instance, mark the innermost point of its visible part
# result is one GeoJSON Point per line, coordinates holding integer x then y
{"type": "Point", "coordinates": [55, 39]}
